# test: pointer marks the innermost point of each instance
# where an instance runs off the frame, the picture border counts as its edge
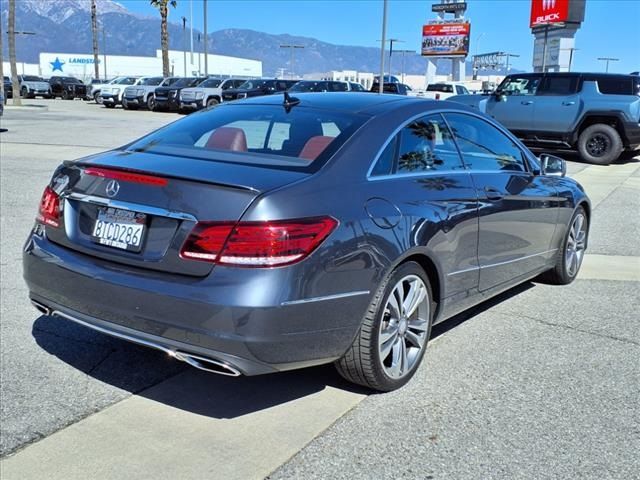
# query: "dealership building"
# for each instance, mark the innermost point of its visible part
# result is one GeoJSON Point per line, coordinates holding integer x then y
{"type": "Point", "coordinates": [81, 65]}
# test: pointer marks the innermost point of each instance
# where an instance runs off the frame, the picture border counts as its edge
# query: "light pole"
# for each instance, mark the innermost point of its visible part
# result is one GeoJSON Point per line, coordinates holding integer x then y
{"type": "Point", "coordinates": [403, 52]}
{"type": "Point", "coordinates": [480, 35]}
{"type": "Point", "coordinates": [104, 52]}
{"type": "Point", "coordinates": [292, 49]}
{"type": "Point", "coordinates": [191, 26]}
{"type": "Point", "coordinates": [608, 59]}
{"type": "Point", "coordinates": [206, 60]}
{"type": "Point", "coordinates": [571, 50]}
{"type": "Point", "coordinates": [383, 42]}
{"type": "Point", "coordinates": [184, 44]}
{"type": "Point", "coordinates": [509, 55]}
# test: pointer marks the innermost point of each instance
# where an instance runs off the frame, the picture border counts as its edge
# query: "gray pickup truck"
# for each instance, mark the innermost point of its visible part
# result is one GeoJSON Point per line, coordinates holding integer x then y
{"type": "Point", "coordinates": [597, 114]}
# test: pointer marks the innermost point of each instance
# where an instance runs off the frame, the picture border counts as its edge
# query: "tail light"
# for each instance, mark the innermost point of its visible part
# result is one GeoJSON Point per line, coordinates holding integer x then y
{"type": "Point", "coordinates": [49, 211]}
{"type": "Point", "coordinates": [437, 96]}
{"type": "Point", "coordinates": [257, 244]}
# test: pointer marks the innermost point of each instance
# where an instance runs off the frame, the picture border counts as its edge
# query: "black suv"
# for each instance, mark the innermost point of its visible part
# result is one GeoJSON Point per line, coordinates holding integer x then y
{"type": "Point", "coordinates": [168, 98]}
{"type": "Point", "coordinates": [257, 88]}
{"type": "Point", "coordinates": [67, 88]}
{"type": "Point", "coordinates": [597, 114]}
{"type": "Point", "coordinates": [391, 87]}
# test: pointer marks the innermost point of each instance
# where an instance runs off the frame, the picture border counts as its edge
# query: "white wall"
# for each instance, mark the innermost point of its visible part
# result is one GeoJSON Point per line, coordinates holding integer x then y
{"type": "Point", "coordinates": [23, 68]}
{"type": "Point", "coordinates": [81, 65]}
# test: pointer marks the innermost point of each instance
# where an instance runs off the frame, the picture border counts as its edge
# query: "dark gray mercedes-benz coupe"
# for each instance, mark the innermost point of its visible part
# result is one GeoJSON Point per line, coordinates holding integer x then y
{"type": "Point", "coordinates": [279, 232]}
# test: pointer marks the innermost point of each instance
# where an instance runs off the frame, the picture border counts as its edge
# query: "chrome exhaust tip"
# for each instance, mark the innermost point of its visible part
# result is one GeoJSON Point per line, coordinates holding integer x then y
{"type": "Point", "coordinates": [40, 307]}
{"type": "Point", "coordinates": [207, 364]}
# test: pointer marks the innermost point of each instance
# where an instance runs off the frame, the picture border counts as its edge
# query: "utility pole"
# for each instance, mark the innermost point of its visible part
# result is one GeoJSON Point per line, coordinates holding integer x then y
{"type": "Point", "coordinates": [191, 20]}
{"type": "Point", "coordinates": [12, 52]}
{"type": "Point", "coordinates": [184, 44]}
{"type": "Point", "coordinates": [608, 59]}
{"type": "Point", "coordinates": [292, 49]}
{"type": "Point", "coordinates": [94, 39]}
{"type": "Point", "coordinates": [403, 52]}
{"type": "Point", "coordinates": [104, 52]}
{"type": "Point", "coordinates": [391, 41]}
{"type": "Point", "coordinates": [206, 59]}
{"type": "Point", "coordinates": [382, 44]}
{"type": "Point", "coordinates": [571, 50]}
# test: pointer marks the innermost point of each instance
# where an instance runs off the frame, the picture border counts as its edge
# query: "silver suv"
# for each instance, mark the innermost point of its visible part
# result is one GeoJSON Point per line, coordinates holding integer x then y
{"type": "Point", "coordinates": [597, 114]}
{"type": "Point", "coordinates": [32, 86]}
{"type": "Point", "coordinates": [142, 94]}
{"type": "Point", "coordinates": [208, 93]}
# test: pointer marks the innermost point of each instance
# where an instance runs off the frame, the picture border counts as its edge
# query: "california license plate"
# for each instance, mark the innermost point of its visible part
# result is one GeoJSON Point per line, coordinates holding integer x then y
{"type": "Point", "coordinates": [117, 228]}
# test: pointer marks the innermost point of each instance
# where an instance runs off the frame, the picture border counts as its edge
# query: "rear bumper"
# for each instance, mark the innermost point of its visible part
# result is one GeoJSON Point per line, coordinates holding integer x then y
{"type": "Point", "coordinates": [238, 323]}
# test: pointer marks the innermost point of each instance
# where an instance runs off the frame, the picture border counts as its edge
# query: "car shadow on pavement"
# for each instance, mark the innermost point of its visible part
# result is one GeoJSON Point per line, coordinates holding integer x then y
{"type": "Point", "coordinates": [153, 375]}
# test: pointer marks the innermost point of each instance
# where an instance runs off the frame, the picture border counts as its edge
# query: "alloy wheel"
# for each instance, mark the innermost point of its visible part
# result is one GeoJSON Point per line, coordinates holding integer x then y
{"type": "Point", "coordinates": [576, 243]}
{"type": "Point", "coordinates": [598, 145]}
{"type": "Point", "coordinates": [404, 327]}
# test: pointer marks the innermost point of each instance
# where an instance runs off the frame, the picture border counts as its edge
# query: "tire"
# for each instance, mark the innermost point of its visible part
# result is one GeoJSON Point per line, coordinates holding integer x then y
{"type": "Point", "coordinates": [562, 273]}
{"type": "Point", "coordinates": [151, 102]}
{"type": "Point", "coordinates": [65, 95]}
{"type": "Point", "coordinates": [212, 102]}
{"type": "Point", "coordinates": [369, 361]}
{"type": "Point", "coordinates": [109, 105]}
{"type": "Point", "coordinates": [24, 93]}
{"type": "Point", "coordinates": [97, 98]}
{"type": "Point", "coordinates": [600, 144]}
{"type": "Point", "coordinates": [125, 104]}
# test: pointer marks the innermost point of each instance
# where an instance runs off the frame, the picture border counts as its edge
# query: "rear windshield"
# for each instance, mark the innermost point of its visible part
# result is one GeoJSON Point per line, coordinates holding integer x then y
{"type": "Point", "coordinates": [266, 135]}
{"type": "Point", "coordinates": [31, 78]}
{"type": "Point", "coordinates": [186, 82]}
{"type": "Point", "coordinates": [71, 80]}
{"type": "Point", "coordinates": [169, 81]}
{"type": "Point", "coordinates": [439, 87]}
{"type": "Point", "coordinates": [152, 81]}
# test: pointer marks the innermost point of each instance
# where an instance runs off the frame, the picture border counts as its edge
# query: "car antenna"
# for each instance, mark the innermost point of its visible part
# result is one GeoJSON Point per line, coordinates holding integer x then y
{"type": "Point", "coordinates": [289, 101]}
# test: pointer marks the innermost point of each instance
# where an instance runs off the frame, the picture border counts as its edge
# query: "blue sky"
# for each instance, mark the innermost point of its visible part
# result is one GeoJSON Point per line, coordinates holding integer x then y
{"type": "Point", "coordinates": [611, 27]}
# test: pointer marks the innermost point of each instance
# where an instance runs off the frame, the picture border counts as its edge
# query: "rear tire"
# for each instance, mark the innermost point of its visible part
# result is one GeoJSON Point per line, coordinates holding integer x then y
{"type": "Point", "coordinates": [570, 255]}
{"type": "Point", "coordinates": [392, 339]}
{"type": "Point", "coordinates": [600, 144]}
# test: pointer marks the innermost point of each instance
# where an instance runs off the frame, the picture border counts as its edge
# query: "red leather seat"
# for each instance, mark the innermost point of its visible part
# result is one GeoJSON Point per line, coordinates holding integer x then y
{"type": "Point", "coordinates": [228, 138]}
{"type": "Point", "coordinates": [315, 146]}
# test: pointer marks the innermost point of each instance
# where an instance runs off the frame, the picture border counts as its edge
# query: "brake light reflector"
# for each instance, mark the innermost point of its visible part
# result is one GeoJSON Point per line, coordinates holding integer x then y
{"type": "Point", "coordinates": [127, 176]}
{"type": "Point", "coordinates": [437, 96]}
{"type": "Point", "coordinates": [49, 210]}
{"type": "Point", "coordinates": [257, 244]}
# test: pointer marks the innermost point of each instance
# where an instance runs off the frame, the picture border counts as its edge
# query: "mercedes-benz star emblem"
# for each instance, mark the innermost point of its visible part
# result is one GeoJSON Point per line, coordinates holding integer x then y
{"type": "Point", "coordinates": [112, 188]}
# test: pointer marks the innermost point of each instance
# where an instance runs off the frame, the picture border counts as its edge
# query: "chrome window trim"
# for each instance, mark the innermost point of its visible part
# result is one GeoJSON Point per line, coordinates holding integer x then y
{"type": "Point", "coordinates": [136, 207]}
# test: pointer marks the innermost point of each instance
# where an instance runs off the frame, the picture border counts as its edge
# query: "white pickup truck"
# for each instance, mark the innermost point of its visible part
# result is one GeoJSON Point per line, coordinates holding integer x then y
{"type": "Point", "coordinates": [443, 90]}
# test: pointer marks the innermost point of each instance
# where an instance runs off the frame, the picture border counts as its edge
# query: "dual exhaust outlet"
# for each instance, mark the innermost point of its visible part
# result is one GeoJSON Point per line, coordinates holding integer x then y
{"type": "Point", "coordinates": [197, 361]}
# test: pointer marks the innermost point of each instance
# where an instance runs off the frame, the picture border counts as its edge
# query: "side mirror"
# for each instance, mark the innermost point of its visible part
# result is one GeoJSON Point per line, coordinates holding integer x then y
{"type": "Point", "coordinates": [552, 166]}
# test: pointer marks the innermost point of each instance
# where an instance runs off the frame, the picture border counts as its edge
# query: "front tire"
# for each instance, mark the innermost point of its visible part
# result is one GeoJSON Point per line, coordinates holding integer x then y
{"type": "Point", "coordinates": [212, 102]}
{"type": "Point", "coordinates": [97, 98]}
{"type": "Point", "coordinates": [600, 144]}
{"type": "Point", "coordinates": [394, 333]}
{"type": "Point", "coordinates": [151, 102]}
{"type": "Point", "coordinates": [571, 252]}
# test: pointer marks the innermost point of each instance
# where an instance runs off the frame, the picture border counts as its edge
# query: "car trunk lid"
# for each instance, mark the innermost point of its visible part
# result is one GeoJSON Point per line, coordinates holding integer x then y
{"type": "Point", "coordinates": [151, 203]}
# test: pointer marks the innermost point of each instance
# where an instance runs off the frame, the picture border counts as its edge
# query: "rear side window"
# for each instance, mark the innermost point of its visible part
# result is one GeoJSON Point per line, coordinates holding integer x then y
{"type": "Point", "coordinates": [440, 87]}
{"type": "Point", "coordinates": [558, 85]}
{"type": "Point", "coordinates": [483, 146]}
{"type": "Point", "coordinates": [267, 135]}
{"type": "Point", "coordinates": [616, 86]}
{"type": "Point", "coordinates": [338, 87]}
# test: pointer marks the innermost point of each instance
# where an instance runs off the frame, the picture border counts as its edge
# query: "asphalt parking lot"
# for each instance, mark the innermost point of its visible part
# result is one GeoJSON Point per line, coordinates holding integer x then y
{"type": "Point", "coordinates": [542, 382]}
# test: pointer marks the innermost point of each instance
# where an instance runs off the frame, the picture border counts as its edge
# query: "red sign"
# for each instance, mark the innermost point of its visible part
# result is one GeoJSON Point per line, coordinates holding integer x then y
{"type": "Point", "coordinates": [548, 12]}
{"type": "Point", "coordinates": [445, 39]}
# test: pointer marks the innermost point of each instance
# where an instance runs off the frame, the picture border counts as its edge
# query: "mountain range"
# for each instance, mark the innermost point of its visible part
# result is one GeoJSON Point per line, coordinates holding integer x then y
{"type": "Point", "coordinates": [64, 26]}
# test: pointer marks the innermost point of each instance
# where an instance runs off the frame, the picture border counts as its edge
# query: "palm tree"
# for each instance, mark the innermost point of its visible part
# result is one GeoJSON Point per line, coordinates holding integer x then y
{"type": "Point", "coordinates": [163, 7]}
{"type": "Point", "coordinates": [12, 52]}
{"type": "Point", "coordinates": [94, 34]}
{"type": "Point", "coordinates": [2, 92]}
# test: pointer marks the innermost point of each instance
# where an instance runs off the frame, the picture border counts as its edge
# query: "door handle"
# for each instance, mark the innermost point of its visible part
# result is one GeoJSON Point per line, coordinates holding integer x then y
{"type": "Point", "coordinates": [527, 102]}
{"type": "Point", "coordinates": [493, 193]}
{"type": "Point", "coordinates": [568, 103]}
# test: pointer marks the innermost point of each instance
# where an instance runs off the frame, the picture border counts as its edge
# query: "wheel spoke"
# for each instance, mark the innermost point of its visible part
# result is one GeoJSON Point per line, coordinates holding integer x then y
{"type": "Point", "coordinates": [396, 360]}
{"type": "Point", "coordinates": [404, 361]}
{"type": "Point", "coordinates": [393, 305]}
{"type": "Point", "coordinates": [415, 297]}
{"type": "Point", "coordinates": [415, 339]}
{"type": "Point", "coordinates": [418, 324]}
{"type": "Point", "coordinates": [389, 332]}
{"type": "Point", "coordinates": [386, 346]}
